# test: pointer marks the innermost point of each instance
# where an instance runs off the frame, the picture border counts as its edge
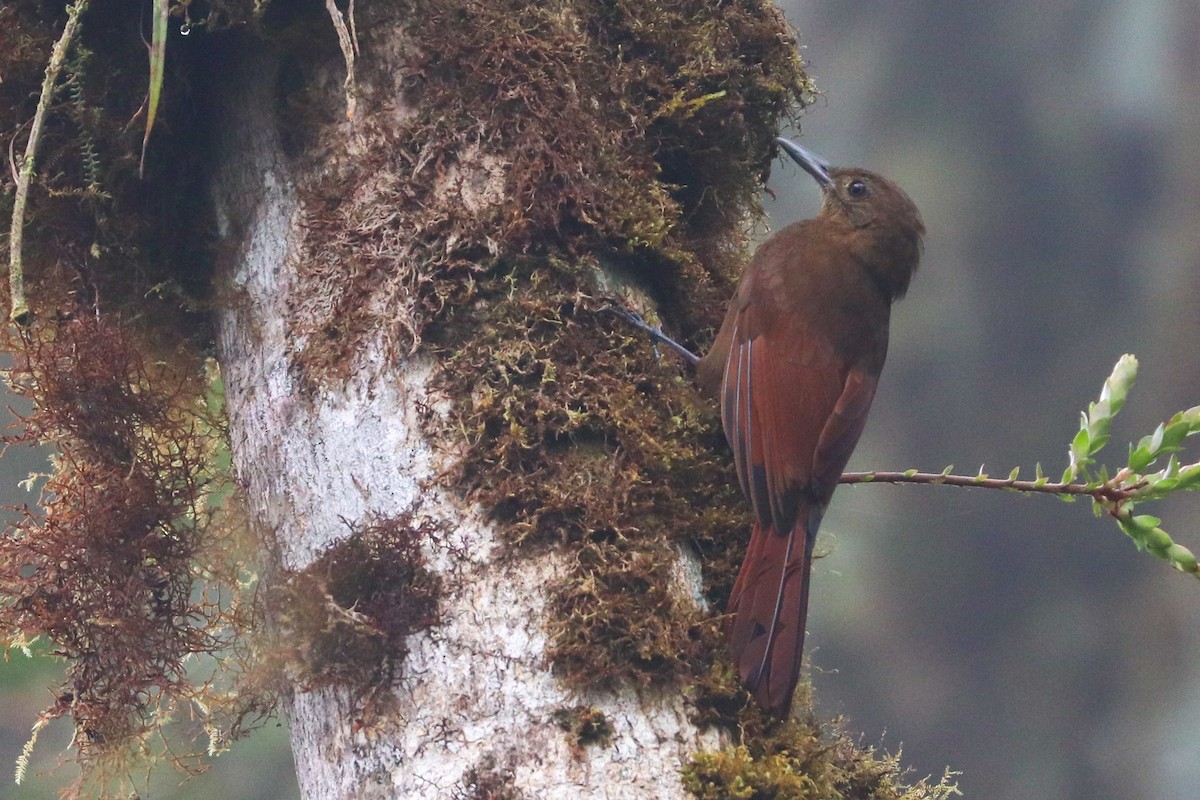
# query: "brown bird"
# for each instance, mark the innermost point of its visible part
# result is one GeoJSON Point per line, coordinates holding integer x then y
{"type": "Point", "coordinates": [796, 363]}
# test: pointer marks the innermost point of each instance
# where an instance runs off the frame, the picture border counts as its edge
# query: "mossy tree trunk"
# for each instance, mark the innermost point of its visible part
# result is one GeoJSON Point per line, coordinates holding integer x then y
{"type": "Point", "coordinates": [342, 424]}
{"type": "Point", "coordinates": [472, 709]}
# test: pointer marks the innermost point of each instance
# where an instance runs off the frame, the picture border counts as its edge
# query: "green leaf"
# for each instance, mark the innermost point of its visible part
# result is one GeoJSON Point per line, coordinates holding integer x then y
{"type": "Point", "coordinates": [1080, 448]}
{"type": "Point", "coordinates": [1119, 383]}
{"type": "Point", "coordinates": [1098, 420]}
{"type": "Point", "coordinates": [1137, 527]}
{"type": "Point", "coordinates": [1188, 421]}
{"type": "Point", "coordinates": [1182, 558]}
{"type": "Point", "coordinates": [158, 59]}
{"type": "Point", "coordinates": [1189, 477]}
{"type": "Point", "coordinates": [1140, 457]}
{"type": "Point", "coordinates": [1172, 469]}
{"type": "Point", "coordinates": [1099, 427]}
{"type": "Point", "coordinates": [1158, 541]}
{"type": "Point", "coordinates": [1174, 435]}
{"type": "Point", "coordinates": [1081, 443]}
{"type": "Point", "coordinates": [1164, 486]}
{"type": "Point", "coordinates": [1167, 438]}
{"type": "Point", "coordinates": [1154, 445]}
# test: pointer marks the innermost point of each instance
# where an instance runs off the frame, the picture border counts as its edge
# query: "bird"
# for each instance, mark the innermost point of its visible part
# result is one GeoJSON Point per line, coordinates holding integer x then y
{"type": "Point", "coordinates": [795, 365]}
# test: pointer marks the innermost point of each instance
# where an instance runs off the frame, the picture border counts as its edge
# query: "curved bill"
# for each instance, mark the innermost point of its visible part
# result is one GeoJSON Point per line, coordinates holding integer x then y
{"type": "Point", "coordinates": [813, 164]}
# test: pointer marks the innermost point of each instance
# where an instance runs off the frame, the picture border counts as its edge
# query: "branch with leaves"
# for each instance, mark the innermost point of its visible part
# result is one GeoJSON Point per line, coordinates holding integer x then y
{"type": "Point", "coordinates": [1152, 471]}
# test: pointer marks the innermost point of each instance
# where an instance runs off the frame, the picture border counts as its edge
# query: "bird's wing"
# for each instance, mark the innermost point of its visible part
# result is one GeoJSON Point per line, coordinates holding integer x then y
{"type": "Point", "coordinates": [844, 427]}
{"type": "Point", "coordinates": [792, 412]}
{"type": "Point", "coordinates": [780, 392]}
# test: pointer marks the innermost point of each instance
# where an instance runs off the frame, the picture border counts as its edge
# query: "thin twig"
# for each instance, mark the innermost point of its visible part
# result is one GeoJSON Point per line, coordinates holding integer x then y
{"type": "Point", "coordinates": [349, 45]}
{"type": "Point", "coordinates": [1111, 492]}
{"type": "Point", "coordinates": [16, 271]}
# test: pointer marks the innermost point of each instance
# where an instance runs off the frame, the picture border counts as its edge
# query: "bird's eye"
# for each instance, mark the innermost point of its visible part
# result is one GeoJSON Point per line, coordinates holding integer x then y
{"type": "Point", "coordinates": [857, 188]}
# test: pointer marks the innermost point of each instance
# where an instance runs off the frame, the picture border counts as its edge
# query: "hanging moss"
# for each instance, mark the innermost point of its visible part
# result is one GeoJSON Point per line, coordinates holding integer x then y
{"type": "Point", "coordinates": [130, 567]}
{"type": "Point", "coordinates": [134, 566]}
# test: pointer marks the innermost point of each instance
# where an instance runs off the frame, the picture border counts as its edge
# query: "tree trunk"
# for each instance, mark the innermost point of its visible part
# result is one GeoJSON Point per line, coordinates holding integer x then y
{"type": "Point", "coordinates": [471, 712]}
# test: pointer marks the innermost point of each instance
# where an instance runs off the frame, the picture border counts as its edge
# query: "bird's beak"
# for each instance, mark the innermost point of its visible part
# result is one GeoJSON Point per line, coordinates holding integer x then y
{"type": "Point", "coordinates": [813, 164]}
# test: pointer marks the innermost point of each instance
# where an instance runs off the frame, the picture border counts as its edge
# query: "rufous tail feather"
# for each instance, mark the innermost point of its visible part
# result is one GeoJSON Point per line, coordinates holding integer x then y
{"type": "Point", "coordinates": [770, 606]}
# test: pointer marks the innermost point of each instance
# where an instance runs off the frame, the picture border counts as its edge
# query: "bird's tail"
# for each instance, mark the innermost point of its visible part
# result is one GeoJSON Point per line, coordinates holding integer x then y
{"type": "Point", "coordinates": [770, 605]}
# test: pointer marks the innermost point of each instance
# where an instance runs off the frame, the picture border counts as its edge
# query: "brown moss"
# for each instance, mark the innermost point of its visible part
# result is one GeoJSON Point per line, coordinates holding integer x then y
{"type": "Point", "coordinates": [131, 568]}
{"type": "Point", "coordinates": [126, 569]}
{"type": "Point", "coordinates": [584, 726]}
{"type": "Point", "coordinates": [345, 619]}
{"type": "Point", "coordinates": [565, 127]}
{"type": "Point", "coordinates": [549, 137]}
{"type": "Point", "coordinates": [531, 142]}
{"type": "Point", "coordinates": [577, 436]}
{"type": "Point", "coordinates": [487, 781]}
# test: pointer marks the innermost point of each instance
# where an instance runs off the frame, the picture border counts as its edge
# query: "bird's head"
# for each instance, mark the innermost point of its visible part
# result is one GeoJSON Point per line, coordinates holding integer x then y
{"type": "Point", "coordinates": [882, 223]}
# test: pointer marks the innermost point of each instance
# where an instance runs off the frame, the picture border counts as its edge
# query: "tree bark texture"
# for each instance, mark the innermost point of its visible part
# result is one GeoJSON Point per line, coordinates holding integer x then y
{"type": "Point", "coordinates": [470, 709]}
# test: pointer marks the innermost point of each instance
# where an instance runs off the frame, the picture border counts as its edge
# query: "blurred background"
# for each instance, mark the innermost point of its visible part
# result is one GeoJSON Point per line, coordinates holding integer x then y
{"type": "Point", "coordinates": [1053, 149]}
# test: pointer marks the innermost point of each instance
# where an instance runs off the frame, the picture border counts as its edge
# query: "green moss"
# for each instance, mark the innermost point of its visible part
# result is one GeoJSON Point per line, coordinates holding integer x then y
{"type": "Point", "coordinates": [801, 761]}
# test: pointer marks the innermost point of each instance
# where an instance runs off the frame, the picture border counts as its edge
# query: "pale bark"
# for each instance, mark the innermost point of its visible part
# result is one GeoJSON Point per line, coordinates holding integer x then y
{"type": "Point", "coordinates": [476, 691]}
